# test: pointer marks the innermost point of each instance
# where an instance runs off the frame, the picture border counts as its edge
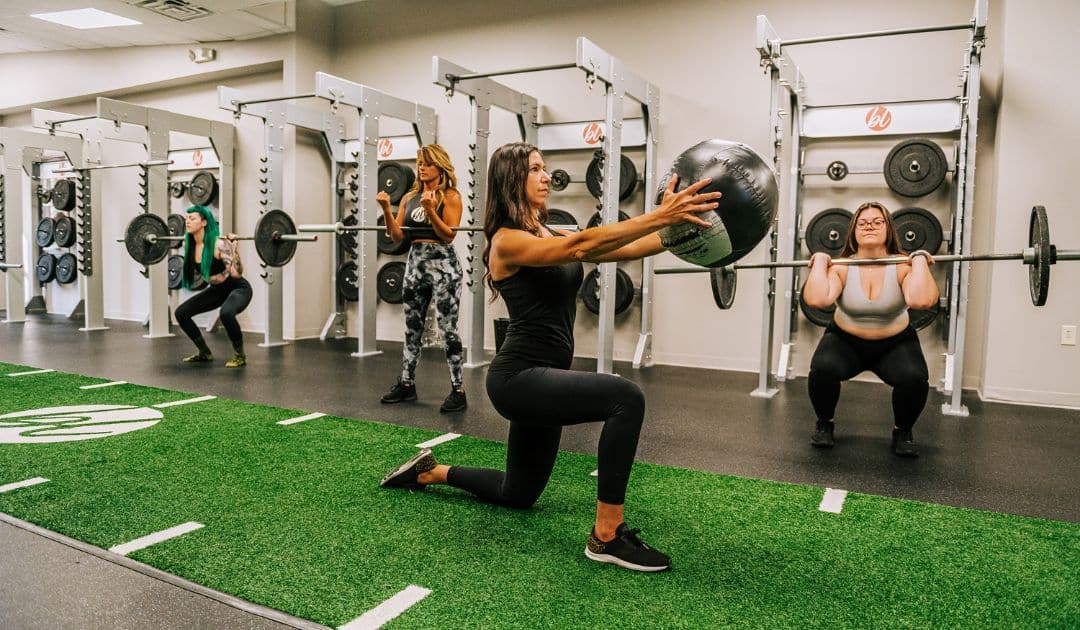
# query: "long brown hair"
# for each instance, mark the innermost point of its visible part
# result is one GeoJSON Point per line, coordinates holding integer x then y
{"type": "Point", "coordinates": [437, 156]}
{"type": "Point", "coordinates": [892, 241]}
{"type": "Point", "coordinates": [507, 204]}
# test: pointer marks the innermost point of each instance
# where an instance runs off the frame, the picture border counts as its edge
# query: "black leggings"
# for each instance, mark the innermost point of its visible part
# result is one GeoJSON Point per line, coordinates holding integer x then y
{"type": "Point", "coordinates": [897, 360]}
{"type": "Point", "coordinates": [539, 402]}
{"type": "Point", "coordinates": [232, 296]}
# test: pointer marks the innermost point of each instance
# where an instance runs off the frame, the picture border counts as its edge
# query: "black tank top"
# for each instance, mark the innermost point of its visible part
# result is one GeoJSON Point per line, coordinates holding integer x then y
{"type": "Point", "coordinates": [195, 268]}
{"type": "Point", "coordinates": [542, 303]}
{"type": "Point", "coordinates": [416, 217]}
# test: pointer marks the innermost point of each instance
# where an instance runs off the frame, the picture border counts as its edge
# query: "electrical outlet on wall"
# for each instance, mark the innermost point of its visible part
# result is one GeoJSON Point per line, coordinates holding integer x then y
{"type": "Point", "coordinates": [1068, 335]}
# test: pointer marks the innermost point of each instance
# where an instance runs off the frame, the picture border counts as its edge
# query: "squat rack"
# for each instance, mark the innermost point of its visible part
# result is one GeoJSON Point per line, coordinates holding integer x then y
{"type": "Point", "coordinates": [619, 83]}
{"type": "Point", "coordinates": [957, 115]}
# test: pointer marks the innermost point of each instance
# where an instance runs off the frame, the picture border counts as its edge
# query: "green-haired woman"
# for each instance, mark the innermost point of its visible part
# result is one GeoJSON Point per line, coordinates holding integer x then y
{"type": "Point", "coordinates": [214, 260]}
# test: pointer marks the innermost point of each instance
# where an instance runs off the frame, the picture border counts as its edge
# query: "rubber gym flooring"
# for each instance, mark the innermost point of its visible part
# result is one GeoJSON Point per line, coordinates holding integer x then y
{"type": "Point", "coordinates": [980, 530]}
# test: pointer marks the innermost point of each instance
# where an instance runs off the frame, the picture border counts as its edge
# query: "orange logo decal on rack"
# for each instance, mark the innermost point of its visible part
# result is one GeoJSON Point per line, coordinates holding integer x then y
{"type": "Point", "coordinates": [386, 147]}
{"type": "Point", "coordinates": [878, 118]}
{"type": "Point", "coordinates": [197, 158]}
{"type": "Point", "coordinates": [592, 133]}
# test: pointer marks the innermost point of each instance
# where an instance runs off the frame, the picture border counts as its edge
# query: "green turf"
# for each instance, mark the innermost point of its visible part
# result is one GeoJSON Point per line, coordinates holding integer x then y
{"type": "Point", "coordinates": [295, 520]}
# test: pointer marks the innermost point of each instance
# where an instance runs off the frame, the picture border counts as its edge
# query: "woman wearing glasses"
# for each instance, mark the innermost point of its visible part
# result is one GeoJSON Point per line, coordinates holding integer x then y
{"type": "Point", "coordinates": [870, 329]}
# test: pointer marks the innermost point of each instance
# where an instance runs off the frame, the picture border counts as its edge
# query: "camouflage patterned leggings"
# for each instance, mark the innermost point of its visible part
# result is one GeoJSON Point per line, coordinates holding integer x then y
{"type": "Point", "coordinates": [432, 270]}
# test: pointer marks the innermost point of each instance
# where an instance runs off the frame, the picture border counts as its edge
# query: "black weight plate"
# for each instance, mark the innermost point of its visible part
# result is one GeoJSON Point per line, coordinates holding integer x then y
{"type": "Point", "coordinates": [826, 231]}
{"type": "Point", "coordinates": [723, 286]}
{"type": "Point", "coordinates": [922, 318]}
{"type": "Point", "coordinates": [67, 268]}
{"type": "Point", "coordinates": [1039, 239]}
{"type": "Point", "coordinates": [386, 245]}
{"type": "Point", "coordinates": [177, 189]}
{"type": "Point", "coordinates": [135, 239]}
{"type": "Point", "coordinates": [395, 179]}
{"type": "Point", "coordinates": [203, 189]}
{"type": "Point", "coordinates": [817, 316]}
{"type": "Point", "coordinates": [624, 291]}
{"type": "Point", "coordinates": [560, 179]}
{"type": "Point", "coordinates": [915, 167]}
{"type": "Point", "coordinates": [836, 170]}
{"type": "Point", "coordinates": [275, 252]}
{"type": "Point", "coordinates": [347, 240]}
{"type": "Point", "coordinates": [594, 220]}
{"type": "Point", "coordinates": [63, 194]}
{"type": "Point", "coordinates": [346, 281]}
{"type": "Point", "coordinates": [560, 217]}
{"type": "Point", "coordinates": [627, 178]}
{"type": "Point", "coordinates": [45, 232]}
{"type": "Point", "coordinates": [391, 282]}
{"type": "Point", "coordinates": [917, 229]}
{"type": "Point", "coordinates": [45, 269]}
{"type": "Point", "coordinates": [176, 271]}
{"type": "Point", "coordinates": [177, 227]}
{"type": "Point", "coordinates": [65, 233]}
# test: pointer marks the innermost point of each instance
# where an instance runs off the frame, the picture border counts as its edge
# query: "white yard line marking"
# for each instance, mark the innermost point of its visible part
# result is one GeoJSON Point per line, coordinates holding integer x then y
{"type": "Point", "coordinates": [833, 501]}
{"type": "Point", "coordinates": [30, 372]}
{"type": "Point", "coordinates": [153, 539]}
{"type": "Point", "coordinates": [176, 403]}
{"type": "Point", "coordinates": [391, 608]}
{"type": "Point", "coordinates": [100, 385]}
{"type": "Point", "coordinates": [595, 473]}
{"type": "Point", "coordinates": [310, 416]}
{"type": "Point", "coordinates": [446, 437]}
{"type": "Point", "coordinates": [22, 484]}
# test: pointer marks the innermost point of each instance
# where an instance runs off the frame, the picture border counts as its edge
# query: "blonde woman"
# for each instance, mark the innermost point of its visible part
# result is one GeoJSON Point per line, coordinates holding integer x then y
{"type": "Point", "coordinates": [432, 209]}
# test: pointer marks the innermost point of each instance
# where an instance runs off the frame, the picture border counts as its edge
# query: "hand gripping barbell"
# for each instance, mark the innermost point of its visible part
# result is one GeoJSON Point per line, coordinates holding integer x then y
{"type": "Point", "coordinates": [1039, 255]}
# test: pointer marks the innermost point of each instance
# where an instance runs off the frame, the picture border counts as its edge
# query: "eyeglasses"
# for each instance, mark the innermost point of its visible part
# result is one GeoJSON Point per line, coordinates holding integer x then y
{"type": "Point", "coordinates": [876, 223]}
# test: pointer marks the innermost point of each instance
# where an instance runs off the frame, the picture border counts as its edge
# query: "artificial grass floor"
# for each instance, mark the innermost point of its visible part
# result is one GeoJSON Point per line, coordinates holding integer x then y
{"type": "Point", "coordinates": [294, 519]}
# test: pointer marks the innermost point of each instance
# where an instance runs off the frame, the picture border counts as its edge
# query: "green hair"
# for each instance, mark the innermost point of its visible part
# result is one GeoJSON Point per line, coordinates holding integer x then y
{"type": "Point", "coordinates": [210, 237]}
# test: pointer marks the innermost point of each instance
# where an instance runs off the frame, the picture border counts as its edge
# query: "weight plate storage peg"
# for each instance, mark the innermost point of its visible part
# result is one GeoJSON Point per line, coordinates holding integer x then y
{"type": "Point", "coordinates": [67, 268]}
{"type": "Point", "coordinates": [915, 167]}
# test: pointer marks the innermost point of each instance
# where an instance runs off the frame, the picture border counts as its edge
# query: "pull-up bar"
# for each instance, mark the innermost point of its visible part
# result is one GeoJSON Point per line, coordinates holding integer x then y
{"type": "Point", "coordinates": [454, 78]}
{"type": "Point", "coordinates": [868, 34]}
{"type": "Point", "coordinates": [241, 104]}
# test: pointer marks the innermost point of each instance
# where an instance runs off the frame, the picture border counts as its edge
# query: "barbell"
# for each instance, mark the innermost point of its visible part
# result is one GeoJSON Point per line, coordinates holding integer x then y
{"type": "Point", "coordinates": [1039, 255]}
{"type": "Point", "coordinates": [343, 228]}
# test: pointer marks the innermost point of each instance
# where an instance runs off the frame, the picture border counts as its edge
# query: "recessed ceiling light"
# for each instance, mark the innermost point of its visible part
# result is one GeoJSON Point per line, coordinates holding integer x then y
{"type": "Point", "coordinates": [85, 18]}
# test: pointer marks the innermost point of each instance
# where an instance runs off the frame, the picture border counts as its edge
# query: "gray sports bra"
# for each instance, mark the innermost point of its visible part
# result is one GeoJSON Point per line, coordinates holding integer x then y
{"type": "Point", "coordinates": [854, 309]}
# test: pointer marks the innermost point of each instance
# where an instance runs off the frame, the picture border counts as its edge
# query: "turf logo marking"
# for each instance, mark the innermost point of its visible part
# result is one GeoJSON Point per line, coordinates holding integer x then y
{"type": "Point", "coordinates": [72, 423]}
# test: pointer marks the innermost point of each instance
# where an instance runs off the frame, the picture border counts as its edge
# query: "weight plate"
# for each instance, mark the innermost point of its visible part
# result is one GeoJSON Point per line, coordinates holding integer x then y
{"type": "Point", "coordinates": [203, 189]}
{"type": "Point", "coordinates": [723, 286]}
{"type": "Point", "coordinates": [67, 268]}
{"type": "Point", "coordinates": [65, 232]}
{"type": "Point", "coordinates": [45, 232]}
{"type": "Point", "coordinates": [827, 230]}
{"type": "Point", "coordinates": [347, 240]}
{"type": "Point", "coordinates": [561, 217]}
{"type": "Point", "coordinates": [386, 245]}
{"type": "Point", "coordinates": [346, 281]}
{"type": "Point", "coordinates": [922, 318]}
{"type": "Point", "coordinates": [917, 229]}
{"type": "Point", "coordinates": [139, 247]}
{"type": "Point", "coordinates": [915, 167]}
{"type": "Point", "coordinates": [836, 170]}
{"type": "Point", "coordinates": [627, 178]}
{"type": "Point", "coordinates": [594, 220]}
{"type": "Point", "coordinates": [560, 179]}
{"type": "Point", "coordinates": [63, 194]}
{"type": "Point", "coordinates": [177, 227]}
{"type": "Point", "coordinates": [817, 316]}
{"type": "Point", "coordinates": [1039, 240]}
{"type": "Point", "coordinates": [275, 252]}
{"type": "Point", "coordinates": [45, 269]}
{"type": "Point", "coordinates": [176, 271]}
{"type": "Point", "coordinates": [391, 282]}
{"type": "Point", "coordinates": [177, 189]}
{"type": "Point", "coordinates": [624, 291]}
{"type": "Point", "coordinates": [395, 179]}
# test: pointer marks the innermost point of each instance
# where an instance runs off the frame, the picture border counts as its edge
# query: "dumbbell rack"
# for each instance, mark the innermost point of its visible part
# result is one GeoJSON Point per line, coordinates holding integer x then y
{"type": "Point", "coordinates": [619, 83]}
{"type": "Point", "coordinates": [956, 116]}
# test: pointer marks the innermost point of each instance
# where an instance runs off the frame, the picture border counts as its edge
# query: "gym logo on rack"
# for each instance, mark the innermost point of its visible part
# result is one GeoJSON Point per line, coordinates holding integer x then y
{"type": "Point", "coordinates": [878, 118]}
{"type": "Point", "coordinates": [79, 422]}
{"type": "Point", "coordinates": [197, 158]}
{"type": "Point", "coordinates": [386, 147]}
{"type": "Point", "coordinates": [592, 133]}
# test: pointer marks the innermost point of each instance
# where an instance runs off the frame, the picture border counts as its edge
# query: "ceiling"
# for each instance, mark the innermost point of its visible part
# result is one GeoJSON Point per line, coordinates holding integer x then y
{"type": "Point", "coordinates": [162, 22]}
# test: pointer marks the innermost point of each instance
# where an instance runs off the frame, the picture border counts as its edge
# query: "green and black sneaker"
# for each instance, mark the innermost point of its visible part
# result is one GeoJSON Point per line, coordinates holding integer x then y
{"type": "Point", "coordinates": [238, 360]}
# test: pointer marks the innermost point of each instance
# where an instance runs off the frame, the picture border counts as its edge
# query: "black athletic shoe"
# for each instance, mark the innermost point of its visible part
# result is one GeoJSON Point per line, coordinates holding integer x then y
{"type": "Point", "coordinates": [404, 476]}
{"type": "Point", "coordinates": [627, 551]}
{"type": "Point", "coordinates": [903, 444]}
{"type": "Point", "coordinates": [400, 392]}
{"type": "Point", "coordinates": [455, 401]}
{"type": "Point", "coordinates": [823, 434]}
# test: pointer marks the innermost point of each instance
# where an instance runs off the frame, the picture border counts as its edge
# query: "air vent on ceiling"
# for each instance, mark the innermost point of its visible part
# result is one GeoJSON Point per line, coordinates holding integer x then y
{"type": "Point", "coordinates": [175, 9]}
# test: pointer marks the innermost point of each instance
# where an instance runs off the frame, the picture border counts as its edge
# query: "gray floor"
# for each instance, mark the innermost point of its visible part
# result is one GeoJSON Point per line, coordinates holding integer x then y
{"type": "Point", "coordinates": [1004, 458]}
